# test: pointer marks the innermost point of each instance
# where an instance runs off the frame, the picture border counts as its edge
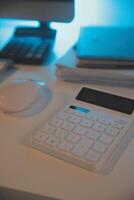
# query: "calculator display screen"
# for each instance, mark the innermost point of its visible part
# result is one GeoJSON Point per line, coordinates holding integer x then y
{"type": "Point", "coordinates": [106, 100]}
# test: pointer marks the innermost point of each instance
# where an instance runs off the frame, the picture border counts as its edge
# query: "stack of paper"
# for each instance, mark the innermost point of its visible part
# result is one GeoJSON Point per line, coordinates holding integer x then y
{"type": "Point", "coordinates": [68, 71]}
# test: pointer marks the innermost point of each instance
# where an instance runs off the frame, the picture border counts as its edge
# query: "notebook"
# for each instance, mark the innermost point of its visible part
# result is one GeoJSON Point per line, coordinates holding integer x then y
{"type": "Point", "coordinates": [105, 47]}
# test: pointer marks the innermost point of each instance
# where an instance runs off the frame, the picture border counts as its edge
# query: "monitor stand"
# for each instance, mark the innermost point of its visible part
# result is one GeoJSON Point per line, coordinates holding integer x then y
{"type": "Point", "coordinates": [43, 31]}
{"type": "Point", "coordinates": [30, 45]}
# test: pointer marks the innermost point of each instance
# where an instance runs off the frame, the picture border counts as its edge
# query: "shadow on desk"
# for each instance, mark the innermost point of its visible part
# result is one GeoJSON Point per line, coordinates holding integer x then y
{"type": "Point", "coordinates": [10, 194]}
{"type": "Point", "coordinates": [5, 74]}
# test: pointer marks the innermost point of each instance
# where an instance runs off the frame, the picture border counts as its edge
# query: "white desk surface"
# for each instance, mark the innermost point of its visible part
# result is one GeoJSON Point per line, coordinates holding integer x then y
{"type": "Point", "coordinates": [25, 169]}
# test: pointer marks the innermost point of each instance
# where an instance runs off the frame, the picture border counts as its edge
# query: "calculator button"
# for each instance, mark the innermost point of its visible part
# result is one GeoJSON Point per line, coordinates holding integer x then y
{"type": "Point", "coordinates": [104, 121]}
{"type": "Point", "coordinates": [80, 130]}
{"type": "Point", "coordinates": [40, 136]}
{"type": "Point", "coordinates": [67, 126]}
{"type": "Point", "coordinates": [60, 133]}
{"type": "Point", "coordinates": [65, 146]}
{"type": "Point", "coordinates": [73, 137]}
{"type": "Point", "coordinates": [48, 129]}
{"type": "Point", "coordinates": [98, 127]}
{"type": "Point", "coordinates": [82, 147]}
{"type": "Point", "coordinates": [112, 131]}
{"type": "Point", "coordinates": [56, 122]}
{"type": "Point", "coordinates": [99, 147]}
{"type": "Point", "coordinates": [107, 139]}
{"type": "Point", "coordinates": [53, 141]}
{"type": "Point", "coordinates": [63, 115]}
{"type": "Point", "coordinates": [92, 156]}
{"type": "Point", "coordinates": [92, 117]}
{"type": "Point", "coordinates": [74, 119]}
{"type": "Point", "coordinates": [116, 125]}
{"type": "Point", "coordinates": [93, 134]}
{"type": "Point", "coordinates": [86, 123]}
{"type": "Point", "coordinates": [121, 120]}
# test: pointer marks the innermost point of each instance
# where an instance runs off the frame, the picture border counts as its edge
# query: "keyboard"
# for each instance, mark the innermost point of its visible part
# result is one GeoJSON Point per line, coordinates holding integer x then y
{"type": "Point", "coordinates": [85, 139]}
{"type": "Point", "coordinates": [26, 50]}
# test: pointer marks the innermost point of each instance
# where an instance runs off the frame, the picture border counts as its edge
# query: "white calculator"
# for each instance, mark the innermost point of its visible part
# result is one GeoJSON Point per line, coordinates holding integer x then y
{"type": "Point", "coordinates": [87, 132]}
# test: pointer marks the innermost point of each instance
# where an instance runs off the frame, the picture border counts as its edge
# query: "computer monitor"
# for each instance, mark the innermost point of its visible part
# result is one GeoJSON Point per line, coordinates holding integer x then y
{"type": "Point", "coordinates": [45, 11]}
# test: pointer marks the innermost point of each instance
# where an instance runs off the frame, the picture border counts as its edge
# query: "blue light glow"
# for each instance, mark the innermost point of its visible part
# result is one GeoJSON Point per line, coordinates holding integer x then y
{"type": "Point", "coordinates": [87, 12]}
{"type": "Point", "coordinates": [91, 12]}
{"type": "Point", "coordinates": [38, 82]}
{"type": "Point", "coordinates": [79, 109]}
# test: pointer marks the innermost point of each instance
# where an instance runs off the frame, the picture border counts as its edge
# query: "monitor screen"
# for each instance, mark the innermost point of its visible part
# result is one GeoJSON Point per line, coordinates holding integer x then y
{"type": "Point", "coordinates": [43, 10]}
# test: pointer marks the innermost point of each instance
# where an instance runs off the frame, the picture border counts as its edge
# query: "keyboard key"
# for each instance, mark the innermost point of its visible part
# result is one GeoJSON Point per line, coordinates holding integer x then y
{"type": "Point", "coordinates": [82, 147]}
{"type": "Point", "coordinates": [26, 50]}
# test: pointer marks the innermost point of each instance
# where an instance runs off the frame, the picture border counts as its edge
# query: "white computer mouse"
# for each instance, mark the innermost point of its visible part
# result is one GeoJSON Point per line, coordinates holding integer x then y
{"type": "Point", "coordinates": [19, 95]}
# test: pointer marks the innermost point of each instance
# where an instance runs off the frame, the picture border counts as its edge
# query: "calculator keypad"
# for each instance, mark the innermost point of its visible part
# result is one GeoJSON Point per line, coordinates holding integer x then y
{"type": "Point", "coordinates": [86, 138]}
